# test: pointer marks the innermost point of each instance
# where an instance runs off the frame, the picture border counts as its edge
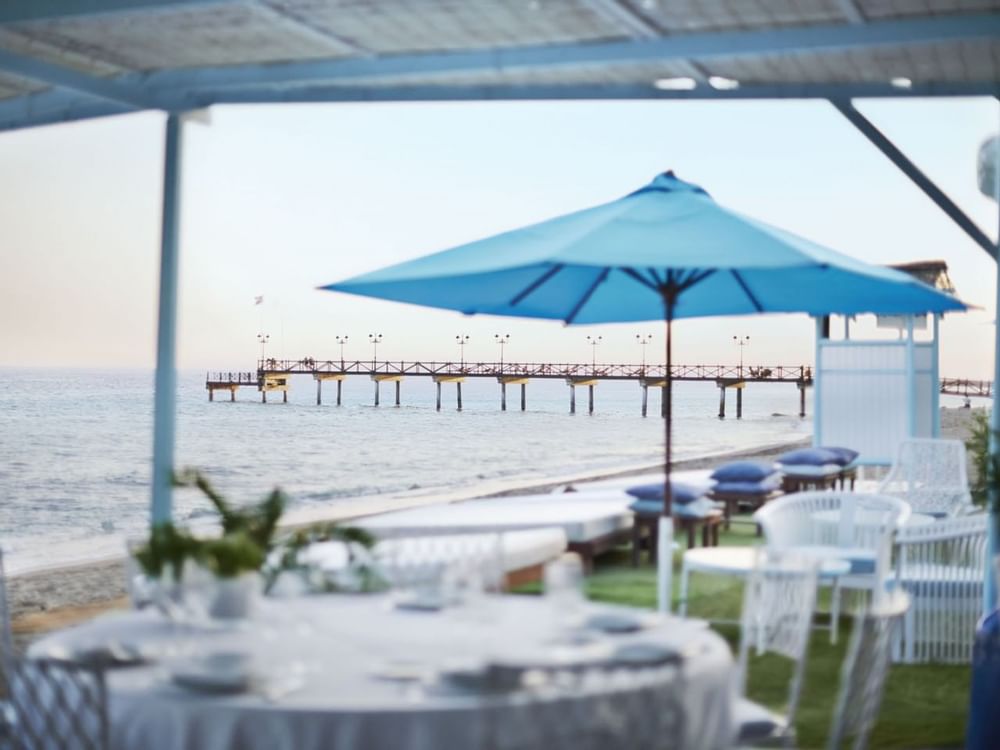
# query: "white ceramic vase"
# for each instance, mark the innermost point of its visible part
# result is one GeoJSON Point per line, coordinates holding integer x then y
{"type": "Point", "coordinates": [235, 598]}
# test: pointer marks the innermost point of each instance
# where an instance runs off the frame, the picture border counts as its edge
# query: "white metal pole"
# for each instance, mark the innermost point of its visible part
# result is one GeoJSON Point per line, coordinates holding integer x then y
{"type": "Point", "coordinates": [911, 381]}
{"type": "Point", "coordinates": [993, 492]}
{"type": "Point", "coordinates": [164, 406]}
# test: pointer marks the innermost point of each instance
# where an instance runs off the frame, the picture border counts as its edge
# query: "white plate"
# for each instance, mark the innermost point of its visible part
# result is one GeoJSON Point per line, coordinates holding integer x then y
{"type": "Point", "coordinates": [401, 671]}
{"type": "Point", "coordinates": [219, 672]}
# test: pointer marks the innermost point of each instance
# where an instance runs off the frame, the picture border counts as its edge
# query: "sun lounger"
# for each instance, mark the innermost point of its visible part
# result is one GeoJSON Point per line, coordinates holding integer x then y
{"type": "Point", "coordinates": [694, 478]}
{"type": "Point", "coordinates": [590, 526]}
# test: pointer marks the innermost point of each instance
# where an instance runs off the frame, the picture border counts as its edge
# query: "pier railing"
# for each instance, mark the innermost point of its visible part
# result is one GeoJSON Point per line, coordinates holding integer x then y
{"type": "Point", "coordinates": [959, 387]}
{"type": "Point", "coordinates": [603, 371]}
{"type": "Point", "coordinates": [232, 378]}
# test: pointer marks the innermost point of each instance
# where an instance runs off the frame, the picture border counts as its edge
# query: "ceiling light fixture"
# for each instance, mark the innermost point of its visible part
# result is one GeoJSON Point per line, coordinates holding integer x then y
{"type": "Point", "coordinates": [721, 83]}
{"type": "Point", "coordinates": [675, 84]}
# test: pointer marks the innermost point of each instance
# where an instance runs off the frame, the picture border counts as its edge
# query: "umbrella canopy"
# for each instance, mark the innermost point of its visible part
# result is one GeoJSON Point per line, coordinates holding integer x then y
{"type": "Point", "coordinates": [665, 251]}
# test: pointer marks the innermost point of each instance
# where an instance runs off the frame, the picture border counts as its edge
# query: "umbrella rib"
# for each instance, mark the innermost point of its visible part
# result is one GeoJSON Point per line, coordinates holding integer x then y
{"type": "Point", "coordinates": [696, 277]}
{"type": "Point", "coordinates": [750, 295]}
{"type": "Point", "coordinates": [583, 300]}
{"type": "Point", "coordinates": [640, 278]}
{"type": "Point", "coordinates": [549, 273]}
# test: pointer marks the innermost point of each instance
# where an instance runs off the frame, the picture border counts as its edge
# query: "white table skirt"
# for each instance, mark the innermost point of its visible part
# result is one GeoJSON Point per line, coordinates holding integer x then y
{"type": "Point", "coordinates": [340, 641]}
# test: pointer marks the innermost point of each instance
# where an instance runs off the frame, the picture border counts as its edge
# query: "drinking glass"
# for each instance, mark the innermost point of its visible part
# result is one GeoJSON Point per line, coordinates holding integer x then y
{"type": "Point", "coordinates": [563, 586]}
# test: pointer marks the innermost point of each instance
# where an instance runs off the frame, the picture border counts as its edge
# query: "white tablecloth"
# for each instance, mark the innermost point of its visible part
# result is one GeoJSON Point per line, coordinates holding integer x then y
{"type": "Point", "coordinates": [338, 644]}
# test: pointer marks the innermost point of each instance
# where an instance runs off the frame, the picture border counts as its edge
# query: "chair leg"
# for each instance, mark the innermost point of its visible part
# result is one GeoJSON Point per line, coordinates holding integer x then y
{"type": "Point", "coordinates": [692, 539]}
{"type": "Point", "coordinates": [835, 611]}
{"type": "Point", "coordinates": [636, 542]}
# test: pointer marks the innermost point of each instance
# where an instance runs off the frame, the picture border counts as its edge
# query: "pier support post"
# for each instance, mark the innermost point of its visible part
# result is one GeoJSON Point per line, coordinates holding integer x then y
{"type": "Point", "coordinates": [378, 387]}
{"type": "Point", "coordinates": [263, 397]}
{"type": "Point", "coordinates": [739, 403]}
{"type": "Point", "coordinates": [319, 392]}
{"type": "Point", "coordinates": [211, 395]}
{"type": "Point", "coordinates": [397, 392]}
{"type": "Point", "coordinates": [722, 402]}
{"type": "Point", "coordinates": [439, 395]}
{"type": "Point", "coordinates": [284, 397]}
{"type": "Point", "coordinates": [572, 399]}
{"type": "Point", "coordinates": [645, 398]}
{"type": "Point", "coordinates": [524, 400]}
{"type": "Point", "coordinates": [590, 397]}
{"type": "Point", "coordinates": [802, 400]}
{"type": "Point", "coordinates": [458, 392]}
{"type": "Point", "coordinates": [664, 396]}
{"type": "Point", "coordinates": [339, 383]}
{"type": "Point", "coordinates": [503, 396]}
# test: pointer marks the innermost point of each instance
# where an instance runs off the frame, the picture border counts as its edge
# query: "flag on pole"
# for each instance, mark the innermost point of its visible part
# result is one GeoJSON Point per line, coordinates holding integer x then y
{"type": "Point", "coordinates": [258, 300]}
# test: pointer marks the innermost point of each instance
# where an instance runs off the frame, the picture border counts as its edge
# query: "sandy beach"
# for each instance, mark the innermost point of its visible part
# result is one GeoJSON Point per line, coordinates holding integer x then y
{"type": "Point", "coordinates": [54, 598]}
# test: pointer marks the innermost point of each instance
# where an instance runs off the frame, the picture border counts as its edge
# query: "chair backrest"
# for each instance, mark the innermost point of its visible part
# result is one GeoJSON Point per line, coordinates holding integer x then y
{"type": "Point", "coordinates": [6, 632]}
{"type": "Point", "coordinates": [864, 671]}
{"type": "Point", "coordinates": [58, 706]}
{"type": "Point", "coordinates": [940, 565]}
{"type": "Point", "coordinates": [835, 518]}
{"type": "Point", "coordinates": [778, 604]}
{"type": "Point", "coordinates": [433, 563]}
{"type": "Point", "coordinates": [930, 475]}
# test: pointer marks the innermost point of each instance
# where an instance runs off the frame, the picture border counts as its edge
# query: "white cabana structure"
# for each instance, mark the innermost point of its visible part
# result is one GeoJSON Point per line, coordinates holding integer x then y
{"type": "Point", "coordinates": [872, 392]}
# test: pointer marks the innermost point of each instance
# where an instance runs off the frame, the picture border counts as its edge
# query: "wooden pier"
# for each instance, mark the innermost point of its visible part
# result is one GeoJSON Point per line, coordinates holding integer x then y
{"type": "Point", "coordinates": [274, 375]}
{"type": "Point", "coordinates": [967, 388]}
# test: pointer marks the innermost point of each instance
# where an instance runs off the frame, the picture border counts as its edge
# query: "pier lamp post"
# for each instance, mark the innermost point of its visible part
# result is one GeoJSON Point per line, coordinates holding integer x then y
{"type": "Point", "coordinates": [594, 342]}
{"type": "Point", "coordinates": [643, 341]}
{"type": "Point", "coordinates": [376, 339]}
{"type": "Point", "coordinates": [263, 338]}
{"type": "Point", "coordinates": [341, 340]}
{"type": "Point", "coordinates": [741, 341]}
{"type": "Point", "coordinates": [502, 340]}
{"type": "Point", "coordinates": [462, 339]}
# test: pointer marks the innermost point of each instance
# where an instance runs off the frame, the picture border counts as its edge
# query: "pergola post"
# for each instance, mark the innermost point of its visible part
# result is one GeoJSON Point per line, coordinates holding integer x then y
{"type": "Point", "coordinates": [165, 398]}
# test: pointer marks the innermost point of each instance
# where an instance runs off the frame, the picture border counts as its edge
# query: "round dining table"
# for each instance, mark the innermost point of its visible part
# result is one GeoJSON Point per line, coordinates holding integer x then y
{"type": "Point", "coordinates": [354, 671]}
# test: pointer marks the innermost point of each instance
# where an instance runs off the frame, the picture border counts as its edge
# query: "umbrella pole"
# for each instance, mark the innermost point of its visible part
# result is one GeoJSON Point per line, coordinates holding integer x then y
{"type": "Point", "coordinates": [665, 528]}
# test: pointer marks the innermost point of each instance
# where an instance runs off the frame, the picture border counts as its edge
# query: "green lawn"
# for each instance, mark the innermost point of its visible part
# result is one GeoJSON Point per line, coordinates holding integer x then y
{"type": "Point", "coordinates": [924, 706]}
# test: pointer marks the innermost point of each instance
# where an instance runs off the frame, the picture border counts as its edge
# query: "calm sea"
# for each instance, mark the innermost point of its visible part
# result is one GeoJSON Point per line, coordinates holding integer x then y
{"type": "Point", "coordinates": [75, 445]}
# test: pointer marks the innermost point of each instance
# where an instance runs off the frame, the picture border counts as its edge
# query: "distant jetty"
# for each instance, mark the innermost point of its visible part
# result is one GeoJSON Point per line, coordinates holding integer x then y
{"type": "Point", "coordinates": [274, 375]}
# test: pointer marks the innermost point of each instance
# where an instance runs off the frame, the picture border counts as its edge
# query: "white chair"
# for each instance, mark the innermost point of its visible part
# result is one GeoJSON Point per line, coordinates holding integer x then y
{"type": "Point", "coordinates": [941, 567]}
{"type": "Point", "coordinates": [6, 660]}
{"type": "Point", "coordinates": [778, 604]}
{"type": "Point", "coordinates": [58, 705]}
{"type": "Point", "coordinates": [837, 525]}
{"type": "Point", "coordinates": [931, 476]}
{"type": "Point", "coordinates": [50, 705]}
{"type": "Point", "coordinates": [863, 675]}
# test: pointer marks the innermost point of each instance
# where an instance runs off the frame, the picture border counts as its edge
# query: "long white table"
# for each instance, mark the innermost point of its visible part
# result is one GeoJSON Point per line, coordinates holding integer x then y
{"type": "Point", "coordinates": [337, 655]}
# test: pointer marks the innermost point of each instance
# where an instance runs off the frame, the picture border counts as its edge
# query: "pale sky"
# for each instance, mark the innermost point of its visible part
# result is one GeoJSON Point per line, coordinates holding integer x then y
{"type": "Point", "coordinates": [280, 199]}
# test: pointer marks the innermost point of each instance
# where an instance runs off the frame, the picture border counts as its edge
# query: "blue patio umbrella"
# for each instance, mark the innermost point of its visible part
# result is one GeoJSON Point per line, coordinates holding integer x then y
{"type": "Point", "coordinates": [665, 251]}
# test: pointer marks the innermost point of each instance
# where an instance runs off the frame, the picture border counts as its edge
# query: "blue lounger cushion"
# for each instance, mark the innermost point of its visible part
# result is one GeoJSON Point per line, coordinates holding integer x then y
{"type": "Point", "coordinates": [743, 472]}
{"type": "Point", "coordinates": [809, 457]}
{"type": "Point", "coordinates": [821, 456]}
{"type": "Point", "coordinates": [845, 456]}
{"type": "Point", "coordinates": [764, 487]}
{"type": "Point", "coordinates": [681, 494]}
{"type": "Point", "coordinates": [699, 508]}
